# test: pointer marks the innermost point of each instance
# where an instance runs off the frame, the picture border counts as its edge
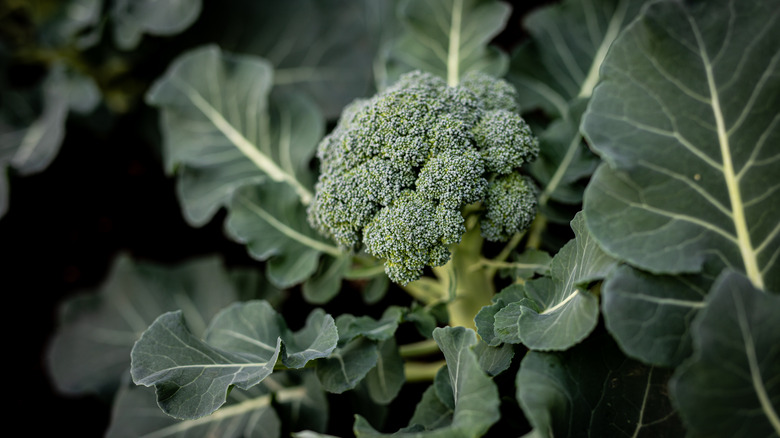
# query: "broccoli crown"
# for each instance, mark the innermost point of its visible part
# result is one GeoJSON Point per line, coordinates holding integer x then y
{"type": "Point", "coordinates": [398, 168]}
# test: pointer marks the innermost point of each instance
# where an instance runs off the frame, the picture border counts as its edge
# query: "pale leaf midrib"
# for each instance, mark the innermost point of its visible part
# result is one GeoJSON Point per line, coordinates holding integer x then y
{"type": "Point", "coordinates": [453, 53]}
{"type": "Point", "coordinates": [261, 160]}
{"type": "Point", "coordinates": [287, 231]}
{"type": "Point", "coordinates": [748, 253]}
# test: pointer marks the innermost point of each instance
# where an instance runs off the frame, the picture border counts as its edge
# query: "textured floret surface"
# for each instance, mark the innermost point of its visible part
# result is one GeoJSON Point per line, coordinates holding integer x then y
{"type": "Point", "coordinates": [398, 169]}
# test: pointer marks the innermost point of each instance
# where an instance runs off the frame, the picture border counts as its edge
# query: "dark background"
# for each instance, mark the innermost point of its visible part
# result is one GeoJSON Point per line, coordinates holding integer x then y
{"type": "Point", "coordinates": [104, 194]}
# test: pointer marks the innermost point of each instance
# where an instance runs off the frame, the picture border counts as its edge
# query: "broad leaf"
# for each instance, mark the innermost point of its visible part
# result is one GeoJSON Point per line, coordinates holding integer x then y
{"type": "Point", "coordinates": [32, 122]}
{"type": "Point", "coordinates": [133, 18]}
{"type": "Point", "coordinates": [650, 316]}
{"type": "Point", "coordinates": [347, 366]}
{"type": "Point", "coordinates": [241, 348]}
{"type": "Point", "coordinates": [686, 120]}
{"type": "Point", "coordinates": [271, 221]}
{"type": "Point", "coordinates": [485, 319]}
{"type": "Point", "coordinates": [382, 329]}
{"type": "Point", "coordinates": [594, 388]}
{"type": "Point", "coordinates": [559, 311]}
{"type": "Point", "coordinates": [568, 43]}
{"type": "Point", "coordinates": [222, 129]}
{"type": "Point", "coordinates": [449, 38]}
{"type": "Point", "coordinates": [324, 48]}
{"type": "Point", "coordinates": [474, 395]}
{"type": "Point", "coordinates": [326, 282]}
{"type": "Point", "coordinates": [731, 385]}
{"type": "Point", "coordinates": [91, 350]}
{"type": "Point", "coordinates": [386, 379]}
{"type": "Point", "coordinates": [494, 360]}
{"type": "Point", "coordinates": [244, 412]}
{"type": "Point", "coordinates": [191, 377]}
{"type": "Point", "coordinates": [556, 71]}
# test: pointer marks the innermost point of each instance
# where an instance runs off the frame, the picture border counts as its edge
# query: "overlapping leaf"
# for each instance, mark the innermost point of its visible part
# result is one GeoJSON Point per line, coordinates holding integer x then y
{"type": "Point", "coordinates": [324, 48]}
{"type": "Point", "coordinates": [556, 71]}
{"type": "Point", "coordinates": [133, 18]}
{"type": "Point", "coordinates": [650, 316]}
{"type": "Point", "coordinates": [686, 120]}
{"type": "Point", "coordinates": [241, 348]}
{"type": "Point", "coordinates": [449, 38]}
{"type": "Point", "coordinates": [91, 350]}
{"type": "Point", "coordinates": [594, 388]}
{"type": "Point", "coordinates": [32, 123]}
{"type": "Point", "coordinates": [298, 402]}
{"type": "Point", "coordinates": [470, 405]}
{"type": "Point", "coordinates": [731, 385]}
{"type": "Point", "coordinates": [558, 311]}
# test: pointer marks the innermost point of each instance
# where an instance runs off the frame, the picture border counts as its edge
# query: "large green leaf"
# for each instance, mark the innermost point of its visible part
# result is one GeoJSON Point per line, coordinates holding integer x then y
{"type": "Point", "coordinates": [558, 311]}
{"type": "Point", "coordinates": [593, 390]}
{"type": "Point", "coordinates": [556, 71]}
{"type": "Point", "coordinates": [474, 396]}
{"type": "Point", "coordinates": [244, 412]}
{"type": "Point", "coordinates": [90, 351]}
{"type": "Point", "coordinates": [222, 129]}
{"type": "Point", "coordinates": [731, 385]}
{"type": "Point", "coordinates": [133, 18]}
{"type": "Point", "coordinates": [325, 48]}
{"type": "Point", "coordinates": [449, 38]}
{"type": "Point", "coordinates": [568, 43]}
{"type": "Point", "coordinates": [347, 366]}
{"type": "Point", "coordinates": [271, 221]}
{"type": "Point", "coordinates": [387, 378]}
{"type": "Point", "coordinates": [650, 316]}
{"type": "Point", "coordinates": [241, 348]}
{"type": "Point", "coordinates": [686, 120]}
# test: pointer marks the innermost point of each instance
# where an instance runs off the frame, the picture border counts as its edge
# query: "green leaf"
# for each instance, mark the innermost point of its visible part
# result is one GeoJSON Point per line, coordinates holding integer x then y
{"type": "Point", "coordinates": [650, 316]}
{"type": "Point", "coordinates": [191, 377]}
{"type": "Point", "coordinates": [494, 360]}
{"type": "Point", "coordinates": [594, 388]}
{"type": "Point", "coordinates": [326, 282]}
{"type": "Point", "coordinates": [731, 385]}
{"type": "Point", "coordinates": [324, 48]}
{"type": "Point", "coordinates": [90, 351]}
{"type": "Point", "coordinates": [223, 131]}
{"type": "Point", "coordinates": [271, 221]}
{"type": "Point", "coordinates": [564, 161]}
{"type": "Point", "coordinates": [474, 395]}
{"type": "Point", "coordinates": [382, 329]}
{"type": "Point", "coordinates": [449, 38]}
{"type": "Point", "coordinates": [347, 366]}
{"type": "Point", "coordinates": [568, 43]}
{"type": "Point", "coordinates": [485, 319]}
{"type": "Point", "coordinates": [686, 119]}
{"type": "Point", "coordinates": [32, 123]}
{"type": "Point", "coordinates": [386, 379]}
{"type": "Point", "coordinates": [246, 412]}
{"type": "Point", "coordinates": [241, 348]}
{"type": "Point", "coordinates": [133, 18]}
{"type": "Point", "coordinates": [559, 311]}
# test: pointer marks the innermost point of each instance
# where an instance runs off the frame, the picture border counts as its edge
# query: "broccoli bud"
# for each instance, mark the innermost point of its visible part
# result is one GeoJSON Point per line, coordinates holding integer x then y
{"type": "Point", "coordinates": [399, 168]}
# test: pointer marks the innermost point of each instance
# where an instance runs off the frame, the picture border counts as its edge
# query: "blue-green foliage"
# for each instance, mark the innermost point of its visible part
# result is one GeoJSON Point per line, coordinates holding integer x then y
{"type": "Point", "coordinates": [398, 169]}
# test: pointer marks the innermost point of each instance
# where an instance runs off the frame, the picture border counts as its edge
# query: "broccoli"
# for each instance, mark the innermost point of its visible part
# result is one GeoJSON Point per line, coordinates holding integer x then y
{"type": "Point", "coordinates": [399, 169]}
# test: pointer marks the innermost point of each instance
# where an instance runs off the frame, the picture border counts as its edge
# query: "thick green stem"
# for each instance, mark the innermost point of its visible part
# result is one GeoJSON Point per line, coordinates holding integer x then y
{"type": "Point", "coordinates": [422, 371]}
{"type": "Point", "coordinates": [473, 287]}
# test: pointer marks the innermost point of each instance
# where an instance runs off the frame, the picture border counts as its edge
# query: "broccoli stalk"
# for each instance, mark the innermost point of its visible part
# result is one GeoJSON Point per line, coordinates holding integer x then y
{"type": "Point", "coordinates": [421, 173]}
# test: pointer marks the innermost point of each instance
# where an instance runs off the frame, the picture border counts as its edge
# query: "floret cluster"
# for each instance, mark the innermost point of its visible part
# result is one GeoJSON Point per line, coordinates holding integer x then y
{"type": "Point", "coordinates": [399, 168]}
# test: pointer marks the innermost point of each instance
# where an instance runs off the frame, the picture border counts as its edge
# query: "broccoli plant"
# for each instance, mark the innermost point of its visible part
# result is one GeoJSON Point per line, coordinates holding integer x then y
{"type": "Point", "coordinates": [409, 172]}
{"type": "Point", "coordinates": [455, 217]}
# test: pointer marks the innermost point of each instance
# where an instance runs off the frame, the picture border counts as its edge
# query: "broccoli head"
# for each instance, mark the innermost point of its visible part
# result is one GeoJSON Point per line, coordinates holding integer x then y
{"type": "Point", "coordinates": [399, 168]}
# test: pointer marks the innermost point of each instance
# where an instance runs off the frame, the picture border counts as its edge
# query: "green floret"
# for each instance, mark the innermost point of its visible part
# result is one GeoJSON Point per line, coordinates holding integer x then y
{"type": "Point", "coordinates": [399, 168]}
{"type": "Point", "coordinates": [505, 140]}
{"type": "Point", "coordinates": [510, 207]}
{"type": "Point", "coordinates": [492, 92]}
